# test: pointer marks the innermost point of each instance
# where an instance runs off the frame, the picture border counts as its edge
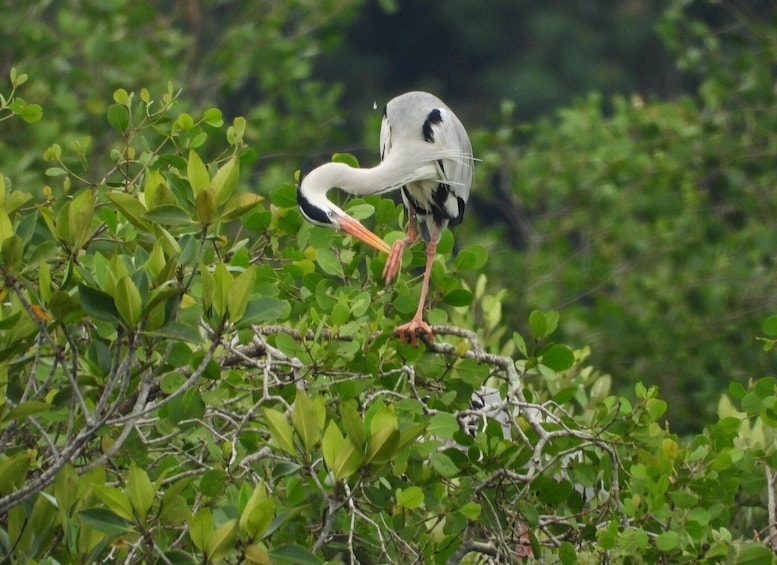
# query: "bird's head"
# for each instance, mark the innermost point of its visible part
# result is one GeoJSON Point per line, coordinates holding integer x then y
{"type": "Point", "coordinates": [319, 210]}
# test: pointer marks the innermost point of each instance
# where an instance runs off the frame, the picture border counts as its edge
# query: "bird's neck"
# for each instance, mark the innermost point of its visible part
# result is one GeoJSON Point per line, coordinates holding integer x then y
{"type": "Point", "coordinates": [389, 175]}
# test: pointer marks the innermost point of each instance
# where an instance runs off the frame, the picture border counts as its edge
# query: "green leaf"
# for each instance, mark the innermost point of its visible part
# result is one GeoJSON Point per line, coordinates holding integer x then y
{"type": "Point", "coordinates": [558, 357]}
{"type": "Point", "coordinates": [280, 430]}
{"type": "Point", "coordinates": [520, 344]}
{"type": "Point", "coordinates": [177, 331]}
{"type": "Point", "coordinates": [173, 509]}
{"type": "Point", "coordinates": [121, 96]}
{"type": "Point", "coordinates": [331, 444]}
{"type": "Point", "coordinates": [656, 408]}
{"type": "Point", "coordinates": [345, 158]}
{"type": "Point", "coordinates": [303, 414]}
{"type": "Point", "coordinates": [6, 228]}
{"type": "Point", "coordinates": [12, 251]}
{"type": "Point", "coordinates": [239, 204]}
{"type": "Point", "coordinates": [361, 211]}
{"type": "Point", "coordinates": [115, 500]}
{"type": "Point", "coordinates": [340, 455]}
{"type": "Point", "coordinates": [31, 113]}
{"type": "Point", "coordinates": [458, 297]}
{"type": "Point", "coordinates": [256, 555]}
{"type": "Point", "coordinates": [118, 117]}
{"type": "Point", "coordinates": [565, 395]}
{"type": "Point", "coordinates": [130, 207]}
{"type": "Point", "coordinates": [293, 555]}
{"type": "Point", "coordinates": [80, 214]}
{"type": "Point", "coordinates": [264, 309]}
{"type": "Point", "coordinates": [736, 390]}
{"type": "Point", "coordinates": [128, 301]}
{"type": "Point", "coordinates": [353, 425]}
{"type": "Point", "coordinates": [567, 553]}
{"type": "Point", "coordinates": [185, 121]}
{"type": "Point", "coordinates": [97, 304]}
{"type": "Point", "coordinates": [140, 491]}
{"type": "Point", "coordinates": [411, 497]}
{"type": "Point", "coordinates": [222, 541]}
{"type": "Point", "coordinates": [212, 482]}
{"type": "Point", "coordinates": [239, 293]}
{"type": "Point", "coordinates": [410, 433]}
{"type": "Point", "coordinates": [471, 258]}
{"type": "Point", "coordinates": [538, 324]}
{"type": "Point", "coordinates": [205, 206]}
{"type": "Point", "coordinates": [184, 410]}
{"type": "Point", "coordinates": [769, 326]}
{"type": "Point", "coordinates": [348, 460]}
{"type": "Point", "coordinates": [443, 425]}
{"type": "Point", "coordinates": [237, 130]}
{"type": "Point", "coordinates": [168, 215]}
{"type": "Point", "coordinates": [383, 418]}
{"type": "Point", "coordinates": [329, 263]}
{"type": "Point", "coordinates": [444, 465]}
{"type": "Point", "coordinates": [28, 408]}
{"type": "Point", "coordinates": [225, 180]}
{"type": "Point", "coordinates": [13, 472]}
{"type": "Point", "coordinates": [180, 557]}
{"type": "Point", "coordinates": [667, 541]}
{"type": "Point", "coordinates": [197, 174]}
{"type": "Point", "coordinates": [104, 520]}
{"type": "Point", "coordinates": [222, 286]}
{"type": "Point", "coordinates": [16, 200]}
{"type": "Point", "coordinates": [285, 197]}
{"type": "Point", "coordinates": [258, 513]}
{"type": "Point", "coordinates": [529, 513]}
{"type": "Point", "coordinates": [213, 117]}
{"type": "Point", "coordinates": [471, 510]}
{"type": "Point", "coordinates": [382, 445]}
{"type": "Point", "coordinates": [751, 553]}
{"type": "Point", "coordinates": [201, 528]}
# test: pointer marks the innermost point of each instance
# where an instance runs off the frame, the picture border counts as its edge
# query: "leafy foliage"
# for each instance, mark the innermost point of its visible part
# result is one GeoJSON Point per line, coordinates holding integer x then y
{"type": "Point", "coordinates": [648, 223]}
{"type": "Point", "coordinates": [192, 373]}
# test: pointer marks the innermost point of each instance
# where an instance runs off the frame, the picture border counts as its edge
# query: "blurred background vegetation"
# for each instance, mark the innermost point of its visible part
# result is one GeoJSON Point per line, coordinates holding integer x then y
{"type": "Point", "coordinates": [628, 148]}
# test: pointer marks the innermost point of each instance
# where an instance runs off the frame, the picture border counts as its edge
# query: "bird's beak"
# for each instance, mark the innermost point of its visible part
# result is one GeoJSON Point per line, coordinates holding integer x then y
{"type": "Point", "coordinates": [354, 228]}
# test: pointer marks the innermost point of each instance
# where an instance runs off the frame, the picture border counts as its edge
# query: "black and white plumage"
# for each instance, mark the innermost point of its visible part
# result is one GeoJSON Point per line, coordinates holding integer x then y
{"type": "Point", "coordinates": [426, 154]}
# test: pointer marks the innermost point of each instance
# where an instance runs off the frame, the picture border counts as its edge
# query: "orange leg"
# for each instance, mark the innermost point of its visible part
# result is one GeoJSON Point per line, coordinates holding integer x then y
{"type": "Point", "coordinates": [407, 332]}
{"type": "Point", "coordinates": [394, 261]}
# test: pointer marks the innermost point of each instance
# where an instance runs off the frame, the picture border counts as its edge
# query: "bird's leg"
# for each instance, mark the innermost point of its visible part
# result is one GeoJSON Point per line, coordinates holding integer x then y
{"type": "Point", "coordinates": [394, 261]}
{"type": "Point", "coordinates": [407, 332]}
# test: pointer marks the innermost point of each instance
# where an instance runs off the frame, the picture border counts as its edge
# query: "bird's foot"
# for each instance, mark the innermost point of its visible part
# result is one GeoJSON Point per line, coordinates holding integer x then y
{"type": "Point", "coordinates": [394, 261]}
{"type": "Point", "coordinates": [408, 333]}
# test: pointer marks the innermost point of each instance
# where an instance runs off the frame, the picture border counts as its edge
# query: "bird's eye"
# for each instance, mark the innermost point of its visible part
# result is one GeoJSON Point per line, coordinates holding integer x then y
{"type": "Point", "coordinates": [331, 215]}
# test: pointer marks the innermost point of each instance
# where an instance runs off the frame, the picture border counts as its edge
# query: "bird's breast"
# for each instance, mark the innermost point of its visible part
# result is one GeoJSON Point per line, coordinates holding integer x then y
{"type": "Point", "coordinates": [434, 203]}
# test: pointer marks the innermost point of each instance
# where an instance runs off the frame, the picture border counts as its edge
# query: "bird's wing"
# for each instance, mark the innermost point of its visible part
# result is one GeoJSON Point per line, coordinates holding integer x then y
{"type": "Point", "coordinates": [450, 136]}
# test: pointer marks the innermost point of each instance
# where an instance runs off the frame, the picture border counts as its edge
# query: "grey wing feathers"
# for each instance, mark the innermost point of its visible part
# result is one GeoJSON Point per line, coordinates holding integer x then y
{"type": "Point", "coordinates": [425, 130]}
{"type": "Point", "coordinates": [439, 125]}
{"type": "Point", "coordinates": [450, 134]}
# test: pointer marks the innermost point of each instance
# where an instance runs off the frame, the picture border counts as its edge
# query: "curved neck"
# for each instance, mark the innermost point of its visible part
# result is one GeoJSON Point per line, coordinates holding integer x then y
{"type": "Point", "coordinates": [389, 175]}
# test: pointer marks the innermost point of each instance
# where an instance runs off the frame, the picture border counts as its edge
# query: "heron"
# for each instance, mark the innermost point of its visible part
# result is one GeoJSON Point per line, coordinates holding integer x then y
{"type": "Point", "coordinates": [426, 154]}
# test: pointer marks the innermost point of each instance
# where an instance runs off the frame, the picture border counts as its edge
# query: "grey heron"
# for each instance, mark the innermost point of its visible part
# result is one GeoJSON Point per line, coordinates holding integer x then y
{"type": "Point", "coordinates": [426, 154]}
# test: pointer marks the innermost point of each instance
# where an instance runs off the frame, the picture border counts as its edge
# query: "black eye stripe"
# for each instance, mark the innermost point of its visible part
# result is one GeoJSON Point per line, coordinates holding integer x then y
{"type": "Point", "coordinates": [312, 213]}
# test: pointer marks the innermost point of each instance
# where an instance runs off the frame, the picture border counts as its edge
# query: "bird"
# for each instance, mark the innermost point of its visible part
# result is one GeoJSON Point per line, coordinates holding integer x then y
{"type": "Point", "coordinates": [426, 154]}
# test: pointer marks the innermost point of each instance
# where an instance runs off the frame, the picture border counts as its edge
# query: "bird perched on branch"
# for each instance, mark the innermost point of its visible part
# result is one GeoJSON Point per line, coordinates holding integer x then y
{"type": "Point", "coordinates": [426, 154]}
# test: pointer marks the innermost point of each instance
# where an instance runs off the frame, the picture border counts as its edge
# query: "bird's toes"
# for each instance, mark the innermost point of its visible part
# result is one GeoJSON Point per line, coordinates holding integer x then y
{"type": "Point", "coordinates": [408, 333]}
{"type": "Point", "coordinates": [394, 261]}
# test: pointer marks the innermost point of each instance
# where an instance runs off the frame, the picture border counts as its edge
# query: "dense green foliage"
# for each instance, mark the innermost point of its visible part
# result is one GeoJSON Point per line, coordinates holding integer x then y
{"type": "Point", "coordinates": [190, 372]}
{"type": "Point", "coordinates": [649, 224]}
